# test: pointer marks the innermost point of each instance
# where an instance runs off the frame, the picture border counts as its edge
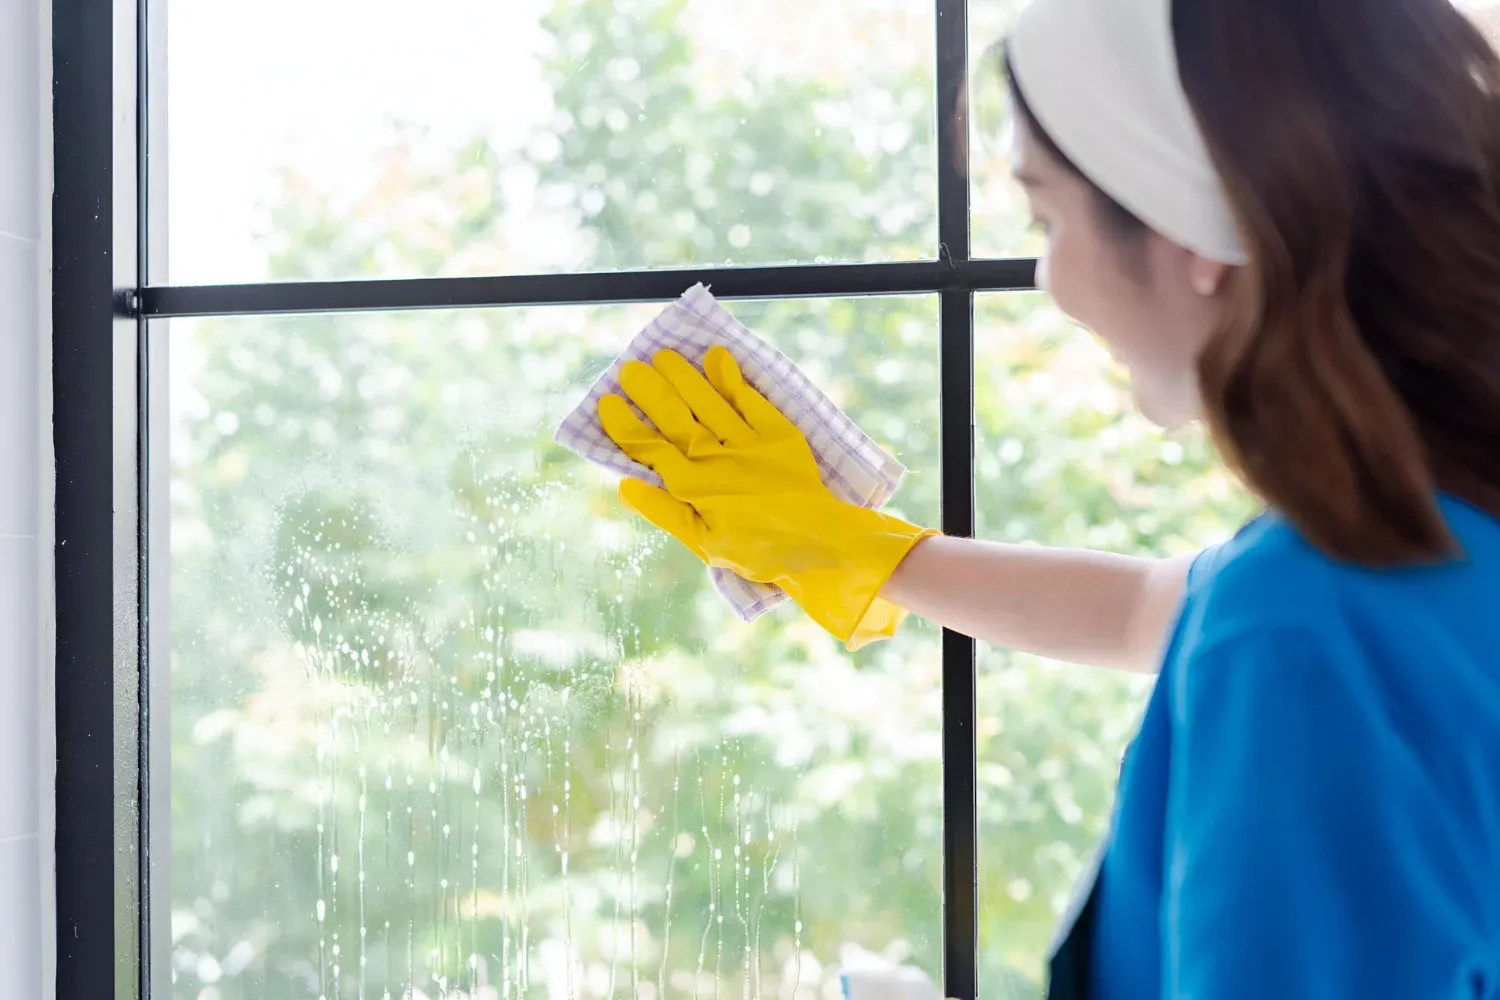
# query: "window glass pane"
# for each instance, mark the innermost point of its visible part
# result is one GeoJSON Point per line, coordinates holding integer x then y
{"type": "Point", "coordinates": [444, 717]}
{"type": "Point", "coordinates": [356, 138]}
{"type": "Point", "coordinates": [1000, 220]}
{"type": "Point", "coordinates": [1062, 458]}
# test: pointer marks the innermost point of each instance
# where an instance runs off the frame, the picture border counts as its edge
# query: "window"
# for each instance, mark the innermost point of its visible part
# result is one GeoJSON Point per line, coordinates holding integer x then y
{"type": "Point", "coordinates": [403, 704]}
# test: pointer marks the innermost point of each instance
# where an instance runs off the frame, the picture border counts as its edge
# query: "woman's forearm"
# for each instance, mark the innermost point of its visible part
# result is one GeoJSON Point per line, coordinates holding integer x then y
{"type": "Point", "coordinates": [1067, 604]}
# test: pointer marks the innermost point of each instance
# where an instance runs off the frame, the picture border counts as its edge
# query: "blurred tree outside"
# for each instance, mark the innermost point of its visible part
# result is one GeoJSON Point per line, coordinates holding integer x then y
{"type": "Point", "coordinates": [446, 722]}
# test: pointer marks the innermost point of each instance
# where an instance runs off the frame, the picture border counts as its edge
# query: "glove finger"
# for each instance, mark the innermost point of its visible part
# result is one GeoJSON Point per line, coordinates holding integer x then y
{"type": "Point", "coordinates": [703, 399]}
{"type": "Point", "coordinates": [664, 406]}
{"type": "Point", "coordinates": [725, 376]}
{"type": "Point", "coordinates": [669, 514]}
{"type": "Point", "coordinates": [638, 441]}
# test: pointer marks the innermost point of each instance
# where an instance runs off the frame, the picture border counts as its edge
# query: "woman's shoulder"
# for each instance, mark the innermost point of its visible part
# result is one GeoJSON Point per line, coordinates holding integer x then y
{"type": "Point", "coordinates": [1269, 574]}
{"type": "Point", "coordinates": [1409, 658]}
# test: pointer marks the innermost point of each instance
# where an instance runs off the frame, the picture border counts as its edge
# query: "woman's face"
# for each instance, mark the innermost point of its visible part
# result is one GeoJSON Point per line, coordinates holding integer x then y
{"type": "Point", "coordinates": [1153, 303]}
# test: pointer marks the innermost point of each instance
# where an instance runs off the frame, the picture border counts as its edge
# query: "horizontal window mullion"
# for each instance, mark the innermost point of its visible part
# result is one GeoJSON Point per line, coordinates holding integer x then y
{"type": "Point", "coordinates": [789, 281]}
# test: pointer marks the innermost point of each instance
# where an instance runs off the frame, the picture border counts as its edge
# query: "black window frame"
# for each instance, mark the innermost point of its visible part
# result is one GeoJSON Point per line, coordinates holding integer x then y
{"type": "Point", "coordinates": [103, 302]}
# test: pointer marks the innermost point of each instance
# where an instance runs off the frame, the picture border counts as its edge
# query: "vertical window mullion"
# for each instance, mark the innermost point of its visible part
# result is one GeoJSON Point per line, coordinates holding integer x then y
{"type": "Point", "coordinates": [956, 340]}
{"type": "Point", "coordinates": [95, 374]}
{"type": "Point", "coordinates": [960, 761]}
{"type": "Point", "coordinates": [953, 130]}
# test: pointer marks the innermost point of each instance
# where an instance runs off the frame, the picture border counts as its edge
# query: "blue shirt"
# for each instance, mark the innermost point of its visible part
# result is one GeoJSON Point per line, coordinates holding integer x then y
{"type": "Point", "coordinates": [1311, 808]}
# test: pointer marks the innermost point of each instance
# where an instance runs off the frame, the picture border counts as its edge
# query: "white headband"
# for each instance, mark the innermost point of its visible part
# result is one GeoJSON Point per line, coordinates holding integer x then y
{"type": "Point", "coordinates": [1100, 76]}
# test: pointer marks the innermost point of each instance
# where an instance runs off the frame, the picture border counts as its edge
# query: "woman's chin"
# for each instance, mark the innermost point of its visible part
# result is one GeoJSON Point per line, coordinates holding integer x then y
{"type": "Point", "coordinates": [1169, 411]}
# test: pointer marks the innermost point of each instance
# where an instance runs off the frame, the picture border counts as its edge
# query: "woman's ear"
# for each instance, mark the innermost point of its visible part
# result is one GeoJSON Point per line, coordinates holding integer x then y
{"type": "Point", "coordinates": [1206, 276]}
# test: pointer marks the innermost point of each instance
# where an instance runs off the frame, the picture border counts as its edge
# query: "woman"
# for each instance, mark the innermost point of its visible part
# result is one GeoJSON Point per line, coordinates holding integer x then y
{"type": "Point", "coordinates": [1282, 217]}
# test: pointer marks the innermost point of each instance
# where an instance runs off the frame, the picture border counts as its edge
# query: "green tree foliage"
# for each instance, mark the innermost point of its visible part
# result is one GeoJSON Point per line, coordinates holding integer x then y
{"type": "Point", "coordinates": [446, 721]}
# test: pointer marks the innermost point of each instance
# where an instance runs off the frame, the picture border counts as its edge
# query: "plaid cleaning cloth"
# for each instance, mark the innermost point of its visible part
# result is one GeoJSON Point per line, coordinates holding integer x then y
{"type": "Point", "coordinates": [854, 467]}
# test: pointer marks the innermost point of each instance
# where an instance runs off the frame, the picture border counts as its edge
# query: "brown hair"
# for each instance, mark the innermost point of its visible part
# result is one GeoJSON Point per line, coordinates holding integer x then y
{"type": "Point", "coordinates": [1358, 372]}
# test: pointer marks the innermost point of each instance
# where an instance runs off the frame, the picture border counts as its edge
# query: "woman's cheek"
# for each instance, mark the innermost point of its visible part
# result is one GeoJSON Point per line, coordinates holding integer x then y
{"type": "Point", "coordinates": [1057, 275]}
{"type": "Point", "coordinates": [1085, 286]}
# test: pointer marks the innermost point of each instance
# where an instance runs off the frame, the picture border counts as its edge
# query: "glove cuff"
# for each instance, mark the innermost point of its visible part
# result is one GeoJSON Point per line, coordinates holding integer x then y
{"type": "Point", "coordinates": [845, 597]}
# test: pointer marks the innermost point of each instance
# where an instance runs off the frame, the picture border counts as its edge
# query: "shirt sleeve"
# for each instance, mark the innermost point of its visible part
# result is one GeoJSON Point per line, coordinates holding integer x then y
{"type": "Point", "coordinates": [1308, 850]}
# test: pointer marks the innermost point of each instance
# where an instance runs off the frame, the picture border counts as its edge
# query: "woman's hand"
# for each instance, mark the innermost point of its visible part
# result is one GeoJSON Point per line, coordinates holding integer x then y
{"type": "Point", "coordinates": [743, 492]}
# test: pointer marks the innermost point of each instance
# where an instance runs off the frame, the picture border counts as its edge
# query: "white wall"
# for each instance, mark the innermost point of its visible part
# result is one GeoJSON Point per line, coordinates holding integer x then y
{"type": "Point", "coordinates": [26, 749]}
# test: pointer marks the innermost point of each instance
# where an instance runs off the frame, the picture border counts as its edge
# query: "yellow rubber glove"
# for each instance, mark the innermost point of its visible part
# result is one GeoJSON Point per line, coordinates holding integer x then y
{"type": "Point", "coordinates": [743, 493]}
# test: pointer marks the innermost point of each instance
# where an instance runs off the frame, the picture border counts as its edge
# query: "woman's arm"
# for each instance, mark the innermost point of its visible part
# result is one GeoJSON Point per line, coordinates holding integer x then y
{"type": "Point", "coordinates": [1067, 604]}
